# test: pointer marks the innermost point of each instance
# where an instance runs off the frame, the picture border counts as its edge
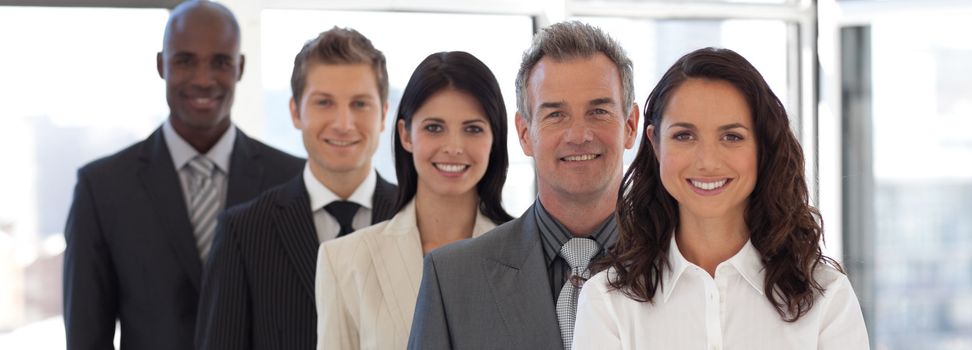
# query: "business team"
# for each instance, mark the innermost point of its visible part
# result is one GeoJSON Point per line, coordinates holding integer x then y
{"type": "Point", "coordinates": [707, 241]}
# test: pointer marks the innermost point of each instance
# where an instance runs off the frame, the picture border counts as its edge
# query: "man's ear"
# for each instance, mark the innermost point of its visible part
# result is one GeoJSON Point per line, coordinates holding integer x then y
{"type": "Point", "coordinates": [523, 134]}
{"type": "Point", "coordinates": [384, 114]}
{"type": "Point", "coordinates": [160, 65]}
{"type": "Point", "coordinates": [295, 114]}
{"type": "Point", "coordinates": [631, 126]}
{"type": "Point", "coordinates": [242, 63]}
{"type": "Point", "coordinates": [404, 135]}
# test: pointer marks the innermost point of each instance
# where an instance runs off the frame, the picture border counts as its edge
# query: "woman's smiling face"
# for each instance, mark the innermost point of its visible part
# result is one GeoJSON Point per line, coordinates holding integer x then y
{"type": "Point", "coordinates": [706, 149]}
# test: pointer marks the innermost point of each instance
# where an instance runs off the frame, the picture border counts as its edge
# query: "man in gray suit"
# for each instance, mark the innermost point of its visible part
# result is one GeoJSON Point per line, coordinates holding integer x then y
{"type": "Point", "coordinates": [511, 288]}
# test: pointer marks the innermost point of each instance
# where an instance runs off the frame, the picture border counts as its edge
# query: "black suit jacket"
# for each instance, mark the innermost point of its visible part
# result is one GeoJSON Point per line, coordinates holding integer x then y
{"type": "Point", "coordinates": [131, 253]}
{"type": "Point", "coordinates": [258, 288]}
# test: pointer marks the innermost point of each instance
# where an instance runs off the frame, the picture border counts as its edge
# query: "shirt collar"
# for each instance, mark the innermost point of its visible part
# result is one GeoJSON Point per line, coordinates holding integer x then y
{"type": "Point", "coordinates": [182, 152]}
{"type": "Point", "coordinates": [747, 262]}
{"type": "Point", "coordinates": [750, 265]}
{"type": "Point", "coordinates": [553, 235]}
{"type": "Point", "coordinates": [320, 195]}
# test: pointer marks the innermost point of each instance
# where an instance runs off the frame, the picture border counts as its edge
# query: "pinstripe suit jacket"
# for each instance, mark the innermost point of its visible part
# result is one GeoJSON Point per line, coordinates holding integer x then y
{"type": "Point", "coordinates": [258, 287]}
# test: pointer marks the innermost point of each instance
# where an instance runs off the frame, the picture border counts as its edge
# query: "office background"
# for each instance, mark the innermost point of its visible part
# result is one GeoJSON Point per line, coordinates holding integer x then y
{"type": "Point", "coordinates": [879, 92]}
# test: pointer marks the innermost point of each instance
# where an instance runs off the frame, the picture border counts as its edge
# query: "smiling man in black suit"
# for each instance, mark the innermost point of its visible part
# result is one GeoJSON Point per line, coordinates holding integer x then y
{"type": "Point", "coordinates": [142, 220]}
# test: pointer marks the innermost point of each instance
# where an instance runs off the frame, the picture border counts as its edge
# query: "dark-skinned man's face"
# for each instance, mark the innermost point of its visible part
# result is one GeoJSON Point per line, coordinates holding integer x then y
{"type": "Point", "coordinates": [201, 63]}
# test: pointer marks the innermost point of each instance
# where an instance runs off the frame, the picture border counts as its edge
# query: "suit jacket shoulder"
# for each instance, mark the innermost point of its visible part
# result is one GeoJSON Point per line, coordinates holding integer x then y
{"type": "Point", "coordinates": [501, 278]}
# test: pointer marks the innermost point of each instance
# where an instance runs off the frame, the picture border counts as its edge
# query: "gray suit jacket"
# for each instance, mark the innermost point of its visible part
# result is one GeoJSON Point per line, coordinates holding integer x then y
{"type": "Point", "coordinates": [490, 292]}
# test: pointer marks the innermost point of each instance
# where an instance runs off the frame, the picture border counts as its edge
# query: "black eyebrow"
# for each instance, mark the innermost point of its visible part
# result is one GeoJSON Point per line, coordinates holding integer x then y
{"type": "Point", "coordinates": [683, 125]}
{"type": "Point", "coordinates": [721, 128]}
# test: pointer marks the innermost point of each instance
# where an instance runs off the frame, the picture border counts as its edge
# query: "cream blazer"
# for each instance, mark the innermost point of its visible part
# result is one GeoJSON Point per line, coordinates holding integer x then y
{"type": "Point", "coordinates": [367, 283]}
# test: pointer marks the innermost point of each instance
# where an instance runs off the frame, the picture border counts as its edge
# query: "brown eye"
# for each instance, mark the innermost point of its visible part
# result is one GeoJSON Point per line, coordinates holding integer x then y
{"type": "Point", "coordinates": [732, 137]}
{"type": "Point", "coordinates": [433, 128]}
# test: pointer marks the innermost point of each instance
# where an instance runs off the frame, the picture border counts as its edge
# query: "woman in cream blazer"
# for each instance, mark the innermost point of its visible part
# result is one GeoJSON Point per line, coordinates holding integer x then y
{"type": "Point", "coordinates": [451, 161]}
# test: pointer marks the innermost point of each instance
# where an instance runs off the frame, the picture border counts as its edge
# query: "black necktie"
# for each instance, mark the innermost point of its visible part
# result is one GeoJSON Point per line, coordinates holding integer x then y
{"type": "Point", "coordinates": [344, 212]}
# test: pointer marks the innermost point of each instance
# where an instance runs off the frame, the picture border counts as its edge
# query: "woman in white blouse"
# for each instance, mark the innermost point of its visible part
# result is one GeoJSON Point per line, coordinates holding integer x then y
{"type": "Point", "coordinates": [718, 247]}
{"type": "Point", "coordinates": [451, 161]}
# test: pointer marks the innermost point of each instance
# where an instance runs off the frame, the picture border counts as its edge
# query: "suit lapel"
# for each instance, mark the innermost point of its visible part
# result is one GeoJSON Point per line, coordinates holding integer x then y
{"type": "Point", "coordinates": [296, 232]}
{"type": "Point", "coordinates": [383, 201]}
{"type": "Point", "coordinates": [518, 275]}
{"type": "Point", "coordinates": [396, 253]}
{"type": "Point", "coordinates": [161, 182]}
{"type": "Point", "coordinates": [245, 172]}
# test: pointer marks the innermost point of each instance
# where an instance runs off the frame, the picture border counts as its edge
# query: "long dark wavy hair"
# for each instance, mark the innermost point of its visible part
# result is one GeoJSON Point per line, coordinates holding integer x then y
{"type": "Point", "coordinates": [783, 227]}
{"type": "Point", "coordinates": [464, 72]}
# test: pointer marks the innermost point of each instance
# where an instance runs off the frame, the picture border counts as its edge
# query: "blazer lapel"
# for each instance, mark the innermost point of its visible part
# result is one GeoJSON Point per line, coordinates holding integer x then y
{"type": "Point", "coordinates": [161, 182]}
{"type": "Point", "coordinates": [396, 253]}
{"type": "Point", "coordinates": [295, 229]}
{"type": "Point", "coordinates": [518, 275]}
{"type": "Point", "coordinates": [245, 172]}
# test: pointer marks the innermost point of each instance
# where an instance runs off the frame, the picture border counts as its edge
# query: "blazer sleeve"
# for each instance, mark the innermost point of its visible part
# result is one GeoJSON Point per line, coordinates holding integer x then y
{"type": "Point", "coordinates": [224, 320]}
{"type": "Point", "coordinates": [430, 329]}
{"type": "Point", "coordinates": [596, 325]}
{"type": "Point", "coordinates": [842, 325]}
{"type": "Point", "coordinates": [90, 284]}
{"type": "Point", "coordinates": [335, 328]}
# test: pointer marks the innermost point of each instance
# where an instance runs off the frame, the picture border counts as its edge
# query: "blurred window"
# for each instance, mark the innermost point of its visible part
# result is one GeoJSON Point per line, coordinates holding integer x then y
{"type": "Point", "coordinates": [908, 178]}
{"type": "Point", "coordinates": [77, 84]}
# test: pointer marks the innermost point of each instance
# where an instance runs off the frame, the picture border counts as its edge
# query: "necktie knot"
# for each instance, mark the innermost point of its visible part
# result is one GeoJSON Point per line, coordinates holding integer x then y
{"type": "Point", "coordinates": [344, 212]}
{"type": "Point", "coordinates": [578, 253]}
{"type": "Point", "coordinates": [201, 166]}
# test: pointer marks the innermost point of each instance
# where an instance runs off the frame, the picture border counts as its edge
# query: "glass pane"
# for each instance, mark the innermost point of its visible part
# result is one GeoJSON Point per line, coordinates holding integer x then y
{"type": "Point", "coordinates": [415, 36]}
{"type": "Point", "coordinates": [655, 45]}
{"type": "Point", "coordinates": [919, 255]}
{"type": "Point", "coordinates": [698, 1]}
{"type": "Point", "coordinates": [81, 85]}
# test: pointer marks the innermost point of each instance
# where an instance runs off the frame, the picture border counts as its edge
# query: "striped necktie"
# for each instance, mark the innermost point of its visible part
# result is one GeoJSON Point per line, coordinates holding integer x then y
{"type": "Point", "coordinates": [204, 202]}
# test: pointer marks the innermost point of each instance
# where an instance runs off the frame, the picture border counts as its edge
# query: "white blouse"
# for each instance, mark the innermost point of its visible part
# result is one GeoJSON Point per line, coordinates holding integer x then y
{"type": "Point", "coordinates": [695, 311]}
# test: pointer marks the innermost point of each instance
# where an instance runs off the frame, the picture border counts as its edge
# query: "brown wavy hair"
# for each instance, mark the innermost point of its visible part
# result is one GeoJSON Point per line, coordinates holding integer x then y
{"type": "Point", "coordinates": [784, 228]}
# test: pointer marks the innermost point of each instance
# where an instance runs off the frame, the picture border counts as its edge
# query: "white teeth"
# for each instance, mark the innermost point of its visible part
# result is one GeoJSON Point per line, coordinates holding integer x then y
{"type": "Point", "coordinates": [340, 143]}
{"type": "Point", "coordinates": [580, 157]}
{"type": "Point", "coordinates": [203, 100]}
{"type": "Point", "coordinates": [708, 186]}
{"type": "Point", "coordinates": [451, 168]}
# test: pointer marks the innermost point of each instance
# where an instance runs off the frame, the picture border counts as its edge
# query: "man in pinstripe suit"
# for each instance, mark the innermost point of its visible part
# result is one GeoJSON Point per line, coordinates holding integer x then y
{"type": "Point", "coordinates": [258, 288]}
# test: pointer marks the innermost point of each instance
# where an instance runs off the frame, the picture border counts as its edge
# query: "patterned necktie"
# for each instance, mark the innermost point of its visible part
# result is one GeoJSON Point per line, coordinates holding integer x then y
{"type": "Point", "coordinates": [344, 212]}
{"type": "Point", "coordinates": [204, 202]}
{"type": "Point", "coordinates": [578, 253]}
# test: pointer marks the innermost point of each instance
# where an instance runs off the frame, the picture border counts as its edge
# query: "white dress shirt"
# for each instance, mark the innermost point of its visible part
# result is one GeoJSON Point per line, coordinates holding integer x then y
{"type": "Point", "coordinates": [182, 152]}
{"type": "Point", "coordinates": [326, 225]}
{"type": "Point", "coordinates": [695, 311]}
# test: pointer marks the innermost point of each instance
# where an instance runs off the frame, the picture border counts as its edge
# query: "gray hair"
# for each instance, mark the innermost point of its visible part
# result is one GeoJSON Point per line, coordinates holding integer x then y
{"type": "Point", "coordinates": [568, 40]}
